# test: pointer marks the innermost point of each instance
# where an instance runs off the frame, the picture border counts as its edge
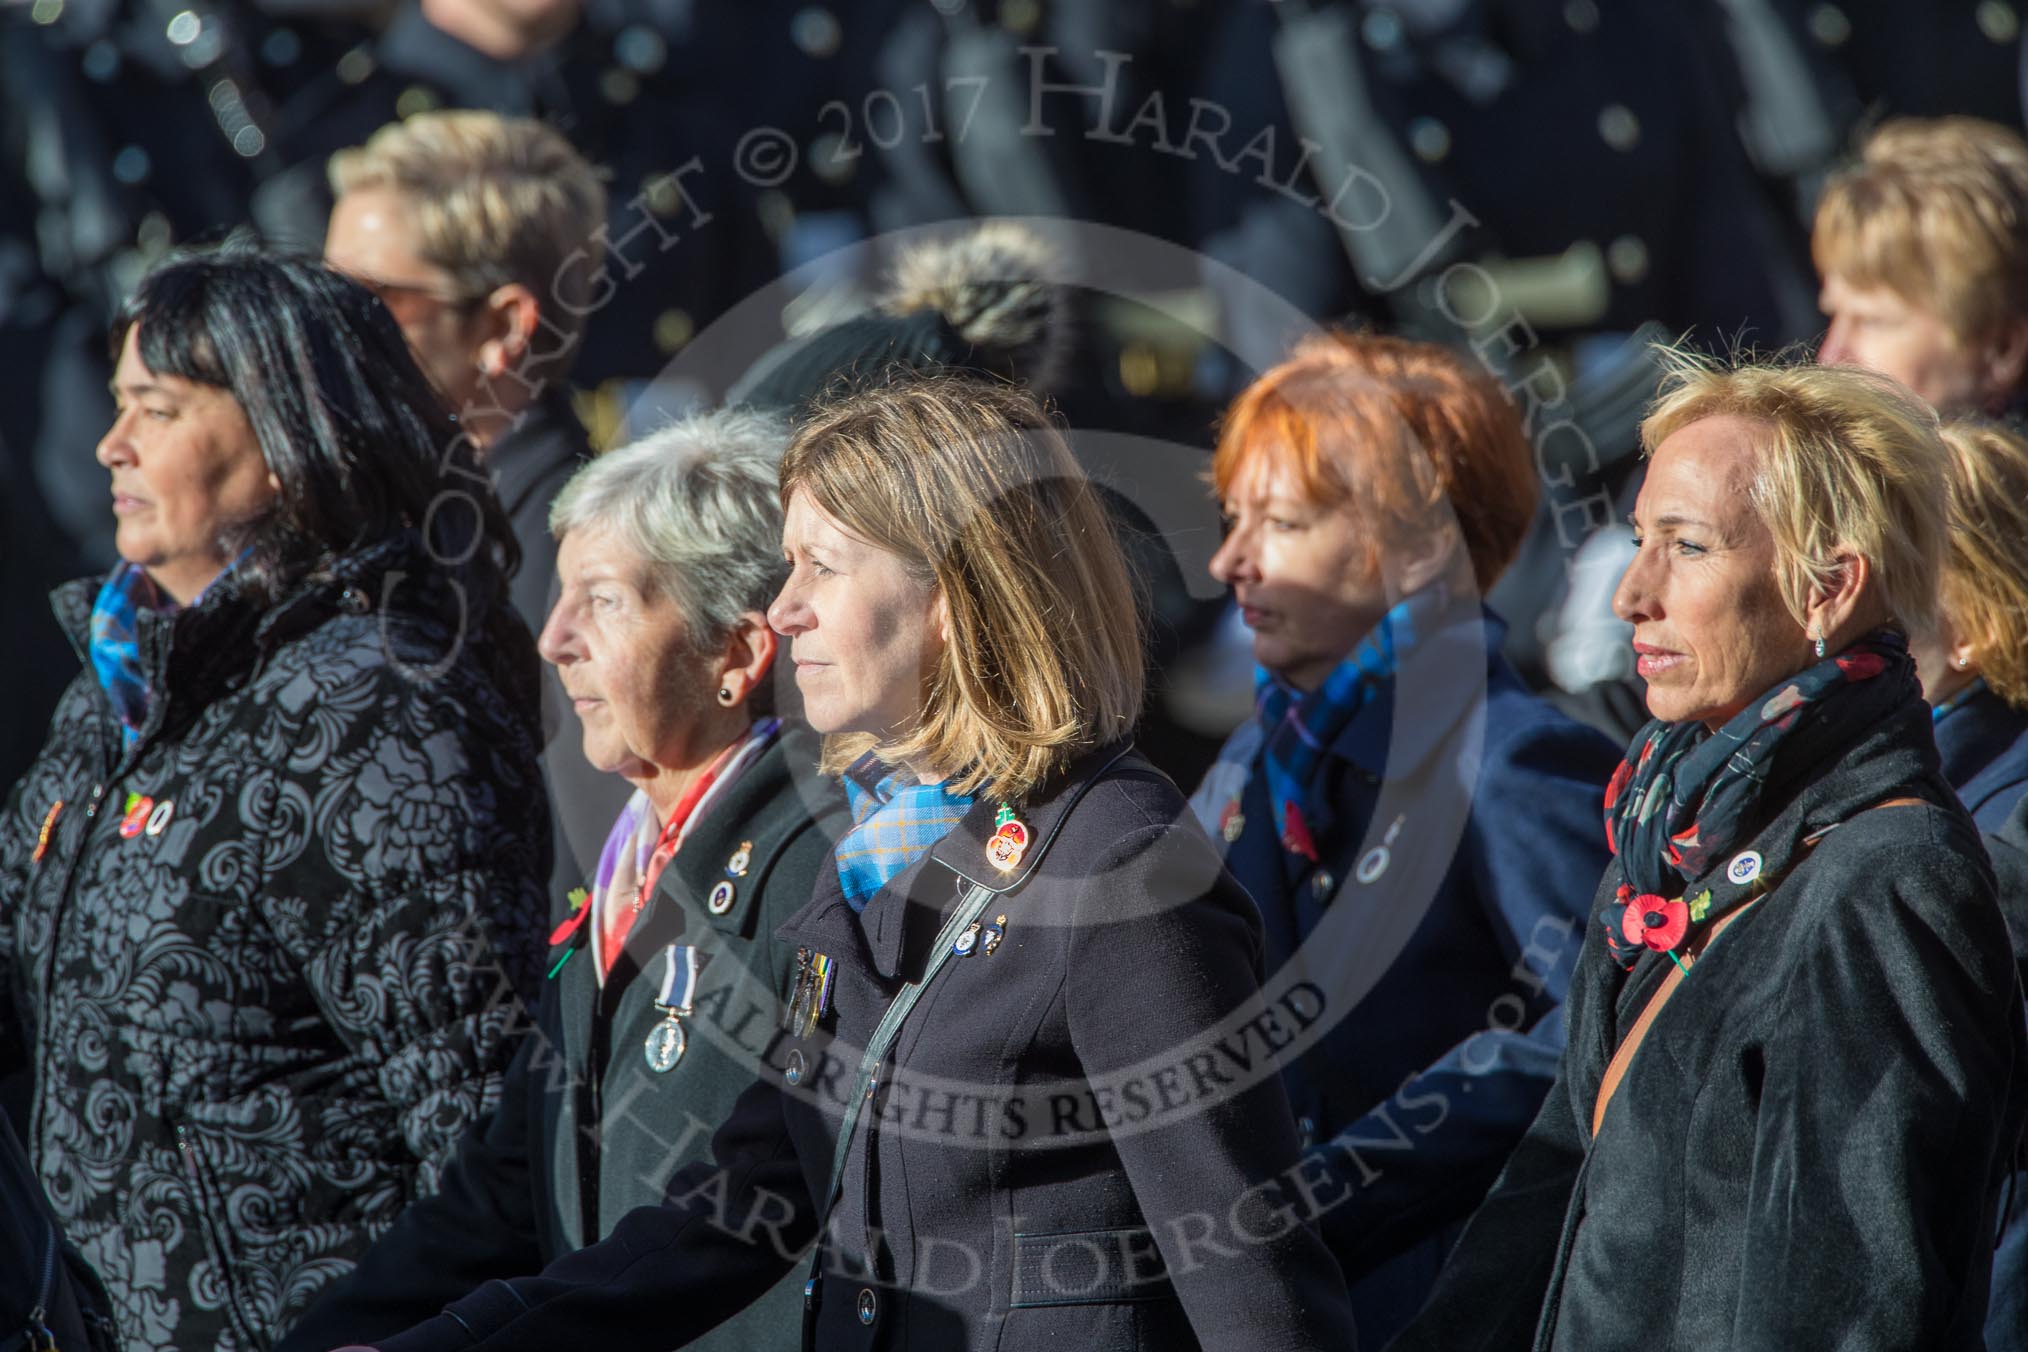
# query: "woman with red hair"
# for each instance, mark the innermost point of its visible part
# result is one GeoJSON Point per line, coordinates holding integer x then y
{"type": "Point", "coordinates": [1416, 827]}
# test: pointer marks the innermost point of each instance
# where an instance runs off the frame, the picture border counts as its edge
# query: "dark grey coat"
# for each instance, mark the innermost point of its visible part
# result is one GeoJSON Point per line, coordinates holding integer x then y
{"type": "Point", "coordinates": [1065, 1151]}
{"type": "Point", "coordinates": [586, 1130]}
{"type": "Point", "coordinates": [1805, 1151]}
{"type": "Point", "coordinates": [257, 1030]}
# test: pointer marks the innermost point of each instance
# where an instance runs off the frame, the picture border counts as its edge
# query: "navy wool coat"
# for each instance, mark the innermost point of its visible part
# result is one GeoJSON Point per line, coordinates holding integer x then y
{"type": "Point", "coordinates": [1808, 1147]}
{"type": "Point", "coordinates": [1055, 1154]}
{"type": "Point", "coordinates": [1440, 1052]}
{"type": "Point", "coordinates": [1984, 746]}
{"type": "Point", "coordinates": [1983, 743]}
{"type": "Point", "coordinates": [587, 1128]}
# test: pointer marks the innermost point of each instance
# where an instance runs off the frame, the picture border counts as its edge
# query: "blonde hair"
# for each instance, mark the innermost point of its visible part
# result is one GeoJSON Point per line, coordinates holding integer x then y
{"type": "Point", "coordinates": [976, 491]}
{"type": "Point", "coordinates": [1848, 459]}
{"type": "Point", "coordinates": [1985, 574]}
{"type": "Point", "coordinates": [1936, 211]}
{"type": "Point", "coordinates": [496, 200]}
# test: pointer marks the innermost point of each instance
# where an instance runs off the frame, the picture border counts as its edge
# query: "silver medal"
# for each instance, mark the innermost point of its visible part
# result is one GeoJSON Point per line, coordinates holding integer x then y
{"type": "Point", "coordinates": [665, 1045]}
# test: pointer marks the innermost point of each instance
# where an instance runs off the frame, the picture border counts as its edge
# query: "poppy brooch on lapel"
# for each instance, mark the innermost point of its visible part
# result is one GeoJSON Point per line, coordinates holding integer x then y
{"type": "Point", "coordinates": [1649, 921]}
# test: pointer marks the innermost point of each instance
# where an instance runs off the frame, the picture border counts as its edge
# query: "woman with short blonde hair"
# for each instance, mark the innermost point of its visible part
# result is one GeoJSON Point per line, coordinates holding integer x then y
{"type": "Point", "coordinates": [998, 1109]}
{"type": "Point", "coordinates": [1795, 1072]}
{"type": "Point", "coordinates": [1982, 629]}
{"type": "Point", "coordinates": [1922, 247]}
{"type": "Point", "coordinates": [1844, 460]}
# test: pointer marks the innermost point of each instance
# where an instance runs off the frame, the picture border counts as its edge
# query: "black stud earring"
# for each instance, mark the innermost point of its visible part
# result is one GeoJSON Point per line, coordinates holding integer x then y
{"type": "Point", "coordinates": [725, 695]}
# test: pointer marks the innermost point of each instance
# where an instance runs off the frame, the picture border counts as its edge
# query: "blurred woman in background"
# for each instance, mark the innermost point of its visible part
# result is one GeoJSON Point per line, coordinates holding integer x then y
{"type": "Point", "coordinates": [1376, 488]}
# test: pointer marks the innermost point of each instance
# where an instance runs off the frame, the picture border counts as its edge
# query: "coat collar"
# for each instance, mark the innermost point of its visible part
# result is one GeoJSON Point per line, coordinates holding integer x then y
{"type": "Point", "coordinates": [190, 655]}
{"type": "Point", "coordinates": [1975, 734]}
{"type": "Point", "coordinates": [546, 438]}
{"type": "Point", "coordinates": [762, 811]}
{"type": "Point", "coordinates": [894, 929]}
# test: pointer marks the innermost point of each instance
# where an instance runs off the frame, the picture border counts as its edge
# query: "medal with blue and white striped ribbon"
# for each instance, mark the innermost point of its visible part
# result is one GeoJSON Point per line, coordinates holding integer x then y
{"type": "Point", "coordinates": [667, 1040]}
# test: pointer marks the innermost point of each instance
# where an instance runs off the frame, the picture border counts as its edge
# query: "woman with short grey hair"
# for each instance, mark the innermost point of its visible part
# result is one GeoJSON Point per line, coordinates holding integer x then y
{"type": "Point", "coordinates": [664, 980]}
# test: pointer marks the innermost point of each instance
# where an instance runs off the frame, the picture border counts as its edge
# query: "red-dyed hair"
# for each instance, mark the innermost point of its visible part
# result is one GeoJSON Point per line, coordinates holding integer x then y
{"type": "Point", "coordinates": [1398, 428]}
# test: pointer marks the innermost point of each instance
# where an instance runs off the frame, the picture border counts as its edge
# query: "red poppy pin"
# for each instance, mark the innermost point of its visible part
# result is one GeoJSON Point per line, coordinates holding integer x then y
{"type": "Point", "coordinates": [1296, 833]}
{"type": "Point", "coordinates": [1653, 921]}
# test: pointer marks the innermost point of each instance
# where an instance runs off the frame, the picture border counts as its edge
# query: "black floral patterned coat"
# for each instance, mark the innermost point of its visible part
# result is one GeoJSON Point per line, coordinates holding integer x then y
{"type": "Point", "coordinates": [264, 964]}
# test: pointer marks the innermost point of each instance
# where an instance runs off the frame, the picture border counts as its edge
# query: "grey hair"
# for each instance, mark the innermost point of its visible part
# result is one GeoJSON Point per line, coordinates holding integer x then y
{"type": "Point", "coordinates": [698, 500]}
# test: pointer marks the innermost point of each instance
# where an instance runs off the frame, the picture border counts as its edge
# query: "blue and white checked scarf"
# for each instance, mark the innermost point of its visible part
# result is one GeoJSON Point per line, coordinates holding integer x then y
{"type": "Point", "coordinates": [1299, 726]}
{"type": "Point", "coordinates": [115, 651]}
{"type": "Point", "coordinates": [895, 821]}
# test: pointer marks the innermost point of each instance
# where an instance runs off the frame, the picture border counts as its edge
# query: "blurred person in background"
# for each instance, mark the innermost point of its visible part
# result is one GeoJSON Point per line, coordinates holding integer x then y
{"type": "Point", "coordinates": [1375, 488]}
{"type": "Point", "coordinates": [481, 234]}
{"type": "Point", "coordinates": [1922, 248]}
{"type": "Point", "coordinates": [1795, 1076]}
{"type": "Point", "coordinates": [1974, 666]}
{"type": "Point", "coordinates": [666, 979]}
{"type": "Point", "coordinates": [270, 898]}
{"type": "Point", "coordinates": [1974, 673]}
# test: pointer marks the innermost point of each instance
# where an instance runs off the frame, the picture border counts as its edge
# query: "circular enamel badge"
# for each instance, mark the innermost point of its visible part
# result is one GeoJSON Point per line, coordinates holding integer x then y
{"type": "Point", "coordinates": [742, 857]}
{"type": "Point", "coordinates": [1744, 868]}
{"type": "Point", "coordinates": [720, 900]}
{"type": "Point", "coordinates": [665, 1046]}
{"type": "Point", "coordinates": [1373, 864]}
{"type": "Point", "coordinates": [1007, 846]}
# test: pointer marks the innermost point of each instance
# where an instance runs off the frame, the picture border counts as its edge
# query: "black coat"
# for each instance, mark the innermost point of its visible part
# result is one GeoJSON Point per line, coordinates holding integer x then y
{"type": "Point", "coordinates": [1046, 1106]}
{"type": "Point", "coordinates": [537, 1180]}
{"type": "Point", "coordinates": [261, 1018]}
{"type": "Point", "coordinates": [1806, 1149]}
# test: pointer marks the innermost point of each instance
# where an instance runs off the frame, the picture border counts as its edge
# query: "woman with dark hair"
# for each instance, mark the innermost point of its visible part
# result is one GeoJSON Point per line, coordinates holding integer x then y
{"type": "Point", "coordinates": [269, 889]}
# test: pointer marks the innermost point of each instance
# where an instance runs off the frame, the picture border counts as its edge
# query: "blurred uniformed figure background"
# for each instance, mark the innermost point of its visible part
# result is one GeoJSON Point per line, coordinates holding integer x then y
{"type": "Point", "coordinates": [1563, 180]}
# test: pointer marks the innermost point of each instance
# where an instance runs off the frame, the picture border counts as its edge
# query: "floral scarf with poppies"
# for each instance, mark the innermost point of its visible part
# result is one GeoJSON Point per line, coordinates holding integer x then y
{"type": "Point", "coordinates": [1686, 796]}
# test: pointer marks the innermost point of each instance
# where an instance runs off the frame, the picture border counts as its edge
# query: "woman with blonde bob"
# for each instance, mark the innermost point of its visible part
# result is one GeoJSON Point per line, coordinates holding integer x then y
{"type": "Point", "coordinates": [1795, 1064]}
{"type": "Point", "coordinates": [997, 1107]}
{"type": "Point", "coordinates": [1974, 667]}
{"type": "Point", "coordinates": [1975, 676]}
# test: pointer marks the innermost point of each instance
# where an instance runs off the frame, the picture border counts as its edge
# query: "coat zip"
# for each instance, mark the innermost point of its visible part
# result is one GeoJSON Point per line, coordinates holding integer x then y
{"type": "Point", "coordinates": [40, 1339]}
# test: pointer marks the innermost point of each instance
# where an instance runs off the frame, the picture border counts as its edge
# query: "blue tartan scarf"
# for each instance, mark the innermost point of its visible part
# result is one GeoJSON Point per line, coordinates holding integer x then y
{"type": "Point", "coordinates": [115, 650]}
{"type": "Point", "coordinates": [1300, 726]}
{"type": "Point", "coordinates": [895, 821]}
